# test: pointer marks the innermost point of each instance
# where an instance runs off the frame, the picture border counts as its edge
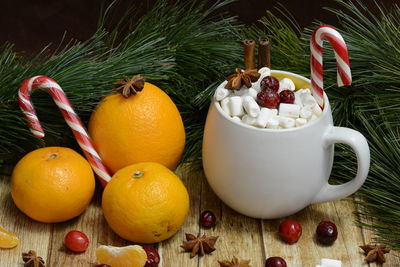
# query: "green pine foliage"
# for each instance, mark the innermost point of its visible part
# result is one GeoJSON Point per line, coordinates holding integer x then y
{"type": "Point", "coordinates": [188, 49]}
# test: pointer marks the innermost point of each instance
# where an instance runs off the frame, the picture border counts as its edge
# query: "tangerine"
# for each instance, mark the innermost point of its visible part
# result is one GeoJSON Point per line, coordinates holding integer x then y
{"type": "Point", "coordinates": [142, 127]}
{"type": "Point", "coordinates": [52, 184]}
{"type": "Point", "coordinates": [145, 203]}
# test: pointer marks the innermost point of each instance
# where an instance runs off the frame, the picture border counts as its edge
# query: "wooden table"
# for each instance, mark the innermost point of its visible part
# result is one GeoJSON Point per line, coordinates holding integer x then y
{"type": "Point", "coordinates": [239, 236]}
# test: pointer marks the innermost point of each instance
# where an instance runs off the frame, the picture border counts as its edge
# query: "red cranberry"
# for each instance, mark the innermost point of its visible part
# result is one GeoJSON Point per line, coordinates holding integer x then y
{"type": "Point", "coordinates": [269, 82]}
{"type": "Point", "coordinates": [287, 96]}
{"type": "Point", "coordinates": [76, 241]}
{"type": "Point", "coordinates": [153, 258]}
{"type": "Point", "coordinates": [275, 262]}
{"type": "Point", "coordinates": [268, 98]}
{"type": "Point", "coordinates": [290, 231]}
{"type": "Point", "coordinates": [207, 219]}
{"type": "Point", "coordinates": [326, 232]}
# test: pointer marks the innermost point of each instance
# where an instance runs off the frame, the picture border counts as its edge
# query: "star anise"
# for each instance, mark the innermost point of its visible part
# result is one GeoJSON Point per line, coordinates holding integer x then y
{"type": "Point", "coordinates": [375, 252]}
{"type": "Point", "coordinates": [130, 86]}
{"type": "Point", "coordinates": [199, 245]}
{"type": "Point", "coordinates": [31, 259]}
{"type": "Point", "coordinates": [235, 81]}
{"type": "Point", "coordinates": [235, 262]}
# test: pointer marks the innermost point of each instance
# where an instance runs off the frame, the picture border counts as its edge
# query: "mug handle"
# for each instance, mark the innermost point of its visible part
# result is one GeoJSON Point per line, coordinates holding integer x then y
{"type": "Point", "coordinates": [360, 146]}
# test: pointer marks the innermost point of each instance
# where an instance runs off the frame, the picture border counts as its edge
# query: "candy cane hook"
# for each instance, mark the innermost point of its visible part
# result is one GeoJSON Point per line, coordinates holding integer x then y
{"type": "Point", "coordinates": [341, 55]}
{"type": "Point", "coordinates": [72, 119]}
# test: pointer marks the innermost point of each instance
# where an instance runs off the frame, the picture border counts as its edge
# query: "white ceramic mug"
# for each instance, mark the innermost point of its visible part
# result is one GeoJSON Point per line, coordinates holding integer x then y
{"type": "Point", "coordinates": [272, 173]}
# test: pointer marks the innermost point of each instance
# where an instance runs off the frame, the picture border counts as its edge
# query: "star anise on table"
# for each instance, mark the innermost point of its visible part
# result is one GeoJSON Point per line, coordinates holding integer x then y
{"type": "Point", "coordinates": [31, 259]}
{"type": "Point", "coordinates": [235, 262]}
{"type": "Point", "coordinates": [130, 86]}
{"type": "Point", "coordinates": [199, 245]}
{"type": "Point", "coordinates": [375, 252]}
{"type": "Point", "coordinates": [240, 78]}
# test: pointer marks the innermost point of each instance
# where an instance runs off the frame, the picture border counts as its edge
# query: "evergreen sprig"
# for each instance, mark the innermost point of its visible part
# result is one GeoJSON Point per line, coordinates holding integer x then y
{"type": "Point", "coordinates": [187, 50]}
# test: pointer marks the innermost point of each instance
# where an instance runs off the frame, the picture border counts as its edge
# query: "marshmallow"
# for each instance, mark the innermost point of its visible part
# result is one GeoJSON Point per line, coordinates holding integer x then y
{"type": "Point", "coordinates": [252, 92]}
{"type": "Point", "coordinates": [289, 110]}
{"type": "Point", "coordinates": [273, 124]}
{"type": "Point", "coordinates": [225, 105]}
{"type": "Point", "coordinates": [221, 93]}
{"type": "Point", "coordinates": [256, 86]}
{"type": "Point", "coordinates": [331, 263]}
{"type": "Point", "coordinates": [265, 71]}
{"type": "Point", "coordinates": [249, 120]}
{"type": "Point", "coordinates": [304, 91]}
{"type": "Point", "coordinates": [251, 106]}
{"type": "Point", "coordinates": [306, 113]}
{"type": "Point", "coordinates": [264, 116]}
{"type": "Point", "coordinates": [317, 110]}
{"type": "Point", "coordinates": [236, 106]}
{"type": "Point", "coordinates": [308, 100]}
{"type": "Point", "coordinates": [297, 98]}
{"type": "Point", "coordinates": [236, 119]}
{"type": "Point", "coordinates": [286, 84]}
{"type": "Point", "coordinates": [313, 117]}
{"type": "Point", "coordinates": [286, 122]}
{"type": "Point", "coordinates": [241, 92]}
{"type": "Point", "coordinates": [300, 122]}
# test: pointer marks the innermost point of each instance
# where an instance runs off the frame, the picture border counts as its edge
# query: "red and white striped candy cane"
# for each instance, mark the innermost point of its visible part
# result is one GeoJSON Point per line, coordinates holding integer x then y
{"type": "Point", "coordinates": [72, 119]}
{"type": "Point", "coordinates": [341, 55]}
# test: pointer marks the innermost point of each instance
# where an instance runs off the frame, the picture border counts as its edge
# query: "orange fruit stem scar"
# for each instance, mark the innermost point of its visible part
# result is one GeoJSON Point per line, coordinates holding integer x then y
{"type": "Point", "coordinates": [137, 174]}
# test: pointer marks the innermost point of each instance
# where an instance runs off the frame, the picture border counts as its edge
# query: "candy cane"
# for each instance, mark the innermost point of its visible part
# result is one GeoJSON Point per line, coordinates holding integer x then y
{"type": "Point", "coordinates": [341, 55]}
{"type": "Point", "coordinates": [72, 119]}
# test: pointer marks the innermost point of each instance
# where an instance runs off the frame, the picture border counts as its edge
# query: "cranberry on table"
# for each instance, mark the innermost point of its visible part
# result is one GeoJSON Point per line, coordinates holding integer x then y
{"type": "Point", "coordinates": [275, 262]}
{"type": "Point", "coordinates": [269, 82]}
{"type": "Point", "coordinates": [287, 96]}
{"type": "Point", "coordinates": [207, 219]}
{"type": "Point", "coordinates": [326, 232]}
{"type": "Point", "coordinates": [268, 98]}
{"type": "Point", "coordinates": [290, 231]}
{"type": "Point", "coordinates": [76, 241]}
{"type": "Point", "coordinates": [153, 258]}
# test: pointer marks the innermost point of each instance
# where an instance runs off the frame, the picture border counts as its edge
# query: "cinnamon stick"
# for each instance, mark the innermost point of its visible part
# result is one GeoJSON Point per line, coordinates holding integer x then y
{"type": "Point", "coordinates": [264, 53]}
{"type": "Point", "coordinates": [249, 46]}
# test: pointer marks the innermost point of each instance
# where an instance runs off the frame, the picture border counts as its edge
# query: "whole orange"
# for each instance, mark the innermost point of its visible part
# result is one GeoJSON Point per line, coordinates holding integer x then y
{"type": "Point", "coordinates": [52, 184]}
{"type": "Point", "coordinates": [145, 203]}
{"type": "Point", "coordinates": [142, 127]}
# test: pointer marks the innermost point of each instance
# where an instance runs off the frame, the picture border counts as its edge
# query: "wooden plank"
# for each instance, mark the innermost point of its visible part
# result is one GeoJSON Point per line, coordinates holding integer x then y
{"type": "Point", "coordinates": [32, 235]}
{"type": "Point", "coordinates": [392, 258]}
{"type": "Point", "coordinates": [307, 252]}
{"type": "Point", "coordinates": [239, 235]}
{"type": "Point", "coordinates": [93, 224]}
{"type": "Point", "coordinates": [172, 254]}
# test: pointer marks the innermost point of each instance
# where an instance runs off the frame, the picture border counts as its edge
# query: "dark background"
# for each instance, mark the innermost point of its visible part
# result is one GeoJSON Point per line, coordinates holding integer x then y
{"type": "Point", "coordinates": [32, 24]}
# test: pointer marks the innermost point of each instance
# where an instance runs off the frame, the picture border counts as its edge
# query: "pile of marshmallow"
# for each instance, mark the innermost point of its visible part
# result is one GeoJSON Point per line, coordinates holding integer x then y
{"type": "Point", "coordinates": [329, 263]}
{"type": "Point", "coordinates": [242, 107]}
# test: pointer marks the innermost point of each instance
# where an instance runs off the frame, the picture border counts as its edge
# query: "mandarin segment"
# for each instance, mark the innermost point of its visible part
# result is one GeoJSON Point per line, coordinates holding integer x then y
{"type": "Point", "coordinates": [129, 256]}
{"type": "Point", "coordinates": [7, 239]}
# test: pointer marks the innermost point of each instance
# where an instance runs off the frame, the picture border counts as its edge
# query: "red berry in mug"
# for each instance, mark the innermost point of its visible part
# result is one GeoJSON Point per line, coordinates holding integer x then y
{"type": "Point", "coordinates": [269, 82]}
{"type": "Point", "coordinates": [275, 262]}
{"type": "Point", "coordinates": [207, 219]}
{"type": "Point", "coordinates": [153, 258]}
{"type": "Point", "coordinates": [76, 241]}
{"type": "Point", "coordinates": [268, 98]}
{"type": "Point", "coordinates": [326, 232]}
{"type": "Point", "coordinates": [290, 231]}
{"type": "Point", "coordinates": [287, 96]}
